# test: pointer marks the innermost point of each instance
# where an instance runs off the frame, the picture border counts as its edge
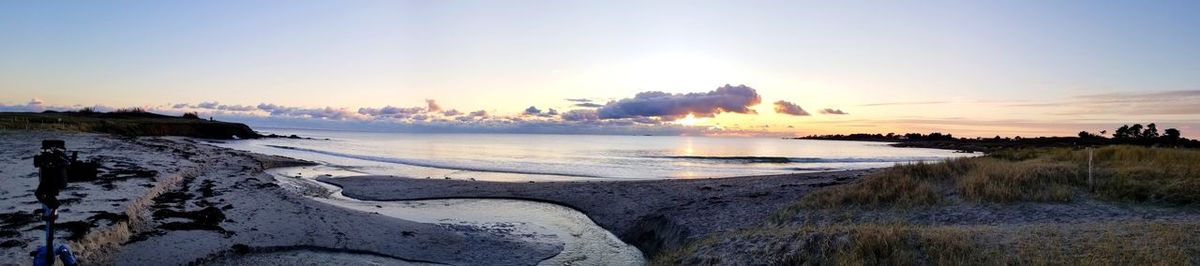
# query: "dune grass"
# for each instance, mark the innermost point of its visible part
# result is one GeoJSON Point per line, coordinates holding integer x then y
{"type": "Point", "coordinates": [1121, 173]}
{"type": "Point", "coordinates": [902, 185]}
{"type": "Point", "coordinates": [1132, 174]}
{"type": "Point", "coordinates": [994, 180]}
{"type": "Point", "coordinates": [899, 244]}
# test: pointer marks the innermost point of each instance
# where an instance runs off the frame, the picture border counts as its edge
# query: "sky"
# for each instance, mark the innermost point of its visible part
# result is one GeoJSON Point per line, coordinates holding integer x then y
{"type": "Point", "coordinates": [972, 68]}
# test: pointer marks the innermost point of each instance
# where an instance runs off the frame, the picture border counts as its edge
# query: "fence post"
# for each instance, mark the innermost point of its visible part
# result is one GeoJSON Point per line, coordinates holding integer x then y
{"type": "Point", "coordinates": [1091, 182]}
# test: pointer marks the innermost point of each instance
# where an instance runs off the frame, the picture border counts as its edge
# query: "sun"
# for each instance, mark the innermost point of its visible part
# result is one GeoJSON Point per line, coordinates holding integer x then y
{"type": "Point", "coordinates": [689, 120]}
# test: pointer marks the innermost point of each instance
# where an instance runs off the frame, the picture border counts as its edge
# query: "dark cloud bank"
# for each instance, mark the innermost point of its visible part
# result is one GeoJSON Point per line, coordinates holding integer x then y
{"type": "Point", "coordinates": [672, 106]}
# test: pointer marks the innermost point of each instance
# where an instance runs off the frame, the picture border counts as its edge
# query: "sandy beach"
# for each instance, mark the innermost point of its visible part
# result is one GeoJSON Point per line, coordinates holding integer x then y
{"type": "Point", "coordinates": [172, 201]}
{"type": "Point", "coordinates": [180, 201]}
{"type": "Point", "coordinates": [206, 205]}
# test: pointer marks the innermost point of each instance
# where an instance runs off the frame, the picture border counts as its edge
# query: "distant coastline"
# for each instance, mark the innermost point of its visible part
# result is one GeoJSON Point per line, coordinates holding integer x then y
{"type": "Point", "coordinates": [1126, 135]}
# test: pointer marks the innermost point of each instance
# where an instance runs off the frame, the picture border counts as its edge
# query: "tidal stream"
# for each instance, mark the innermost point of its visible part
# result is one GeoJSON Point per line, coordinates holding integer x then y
{"type": "Point", "coordinates": [584, 242]}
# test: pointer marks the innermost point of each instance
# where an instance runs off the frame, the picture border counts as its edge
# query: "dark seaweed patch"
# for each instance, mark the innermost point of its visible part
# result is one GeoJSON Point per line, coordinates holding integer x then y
{"type": "Point", "coordinates": [9, 234]}
{"type": "Point", "coordinates": [12, 244]}
{"type": "Point", "coordinates": [75, 229]}
{"type": "Point", "coordinates": [17, 219]}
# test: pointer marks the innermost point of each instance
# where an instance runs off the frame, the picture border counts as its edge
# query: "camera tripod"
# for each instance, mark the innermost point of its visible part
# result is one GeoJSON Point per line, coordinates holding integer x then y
{"type": "Point", "coordinates": [53, 170]}
{"type": "Point", "coordinates": [45, 256]}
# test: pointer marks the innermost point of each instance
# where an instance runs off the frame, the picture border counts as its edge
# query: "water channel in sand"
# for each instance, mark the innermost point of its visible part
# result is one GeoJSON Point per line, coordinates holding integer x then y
{"type": "Point", "coordinates": [584, 242]}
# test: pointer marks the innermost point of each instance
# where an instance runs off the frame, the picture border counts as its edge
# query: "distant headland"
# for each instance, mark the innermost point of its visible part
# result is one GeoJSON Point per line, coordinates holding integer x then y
{"type": "Point", "coordinates": [128, 122]}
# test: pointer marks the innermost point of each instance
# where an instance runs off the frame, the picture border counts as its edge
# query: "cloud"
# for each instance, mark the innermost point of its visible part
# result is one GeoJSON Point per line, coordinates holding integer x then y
{"type": "Point", "coordinates": [390, 111]}
{"type": "Point", "coordinates": [580, 115]}
{"type": "Point", "coordinates": [589, 105]}
{"type": "Point", "coordinates": [671, 106]}
{"type": "Point", "coordinates": [579, 100]}
{"type": "Point", "coordinates": [34, 105]}
{"type": "Point", "coordinates": [785, 107]}
{"type": "Point", "coordinates": [480, 113]}
{"type": "Point", "coordinates": [268, 107]}
{"type": "Point", "coordinates": [532, 111]}
{"type": "Point", "coordinates": [216, 106]}
{"type": "Point", "coordinates": [239, 108]}
{"type": "Point", "coordinates": [451, 112]}
{"type": "Point", "coordinates": [38, 105]}
{"type": "Point", "coordinates": [432, 105]}
{"type": "Point", "coordinates": [552, 112]}
{"type": "Point", "coordinates": [207, 105]}
{"type": "Point", "coordinates": [317, 113]}
{"type": "Point", "coordinates": [831, 111]}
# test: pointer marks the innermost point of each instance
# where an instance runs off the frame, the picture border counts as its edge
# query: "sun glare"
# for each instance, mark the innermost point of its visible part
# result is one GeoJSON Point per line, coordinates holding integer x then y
{"type": "Point", "coordinates": [690, 120]}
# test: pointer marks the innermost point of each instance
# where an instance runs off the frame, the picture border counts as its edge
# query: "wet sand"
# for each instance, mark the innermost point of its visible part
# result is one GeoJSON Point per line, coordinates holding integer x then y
{"type": "Point", "coordinates": [652, 215]}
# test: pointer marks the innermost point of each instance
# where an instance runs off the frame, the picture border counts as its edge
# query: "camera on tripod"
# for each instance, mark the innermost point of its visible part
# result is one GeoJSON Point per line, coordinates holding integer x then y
{"type": "Point", "coordinates": [56, 168]}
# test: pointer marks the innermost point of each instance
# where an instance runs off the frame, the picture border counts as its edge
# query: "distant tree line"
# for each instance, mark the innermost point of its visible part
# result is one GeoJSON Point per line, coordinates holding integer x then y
{"type": "Point", "coordinates": [1136, 134]}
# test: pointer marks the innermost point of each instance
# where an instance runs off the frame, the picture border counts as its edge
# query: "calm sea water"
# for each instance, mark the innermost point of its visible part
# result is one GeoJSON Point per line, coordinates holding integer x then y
{"type": "Point", "coordinates": [521, 157]}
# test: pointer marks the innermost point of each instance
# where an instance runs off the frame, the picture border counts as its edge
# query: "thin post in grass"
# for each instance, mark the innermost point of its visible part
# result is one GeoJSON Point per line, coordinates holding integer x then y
{"type": "Point", "coordinates": [1091, 182]}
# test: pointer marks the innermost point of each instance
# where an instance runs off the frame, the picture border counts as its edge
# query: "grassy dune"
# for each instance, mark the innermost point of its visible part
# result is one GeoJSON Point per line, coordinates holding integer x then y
{"type": "Point", "coordinates": [1130, 176]}
{"type": "Point", "coordinates": [126, 124]}
{"type": "Point", "coordinates": [1120, 173]}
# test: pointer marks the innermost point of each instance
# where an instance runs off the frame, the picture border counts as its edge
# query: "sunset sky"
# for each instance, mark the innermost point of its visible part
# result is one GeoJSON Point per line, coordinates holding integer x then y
{"type": "Point", "coordinates": [972, 68]}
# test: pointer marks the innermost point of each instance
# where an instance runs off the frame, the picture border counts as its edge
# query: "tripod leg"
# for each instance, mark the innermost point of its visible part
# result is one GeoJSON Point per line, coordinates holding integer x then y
{"type": "Point", "coordinates": [66, 256]}
{"type": "Point", "coordinates": [49, 214]}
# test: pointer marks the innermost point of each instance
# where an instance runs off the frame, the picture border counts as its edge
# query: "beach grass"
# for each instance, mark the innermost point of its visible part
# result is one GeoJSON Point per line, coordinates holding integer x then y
{"type": "Point", "coordinates": [1138, 243]}
{"type": "Point", "coordinates": [1119, 173]}
{"type": "Point", "coordinates": [1133, 175]}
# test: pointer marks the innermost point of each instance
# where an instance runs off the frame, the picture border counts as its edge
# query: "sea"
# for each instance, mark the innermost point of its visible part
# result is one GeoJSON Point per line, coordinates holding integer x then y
{"type": "Point", "coordinates": [542, 157]}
